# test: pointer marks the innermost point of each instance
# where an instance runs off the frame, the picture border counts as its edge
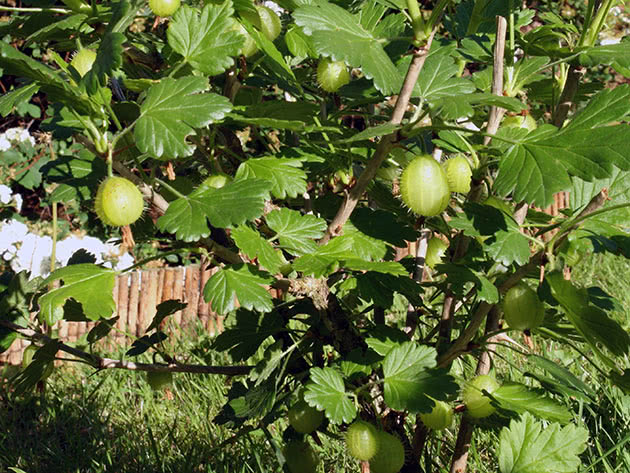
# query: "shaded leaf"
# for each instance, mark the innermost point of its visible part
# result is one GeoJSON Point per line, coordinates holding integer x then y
{"type": "Point", "coordinates": [244, 338]}
{"type": "Point", "coordinates": [145, 342]}
{"type": "Point", "coordinates": [163, 310]}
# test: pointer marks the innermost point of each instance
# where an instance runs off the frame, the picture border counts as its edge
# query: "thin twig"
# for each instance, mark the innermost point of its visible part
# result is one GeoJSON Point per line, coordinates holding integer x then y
{"type": "Point", "coordinates": [384, 146]}
{"type": "Point", "coordinates": [108, 363]}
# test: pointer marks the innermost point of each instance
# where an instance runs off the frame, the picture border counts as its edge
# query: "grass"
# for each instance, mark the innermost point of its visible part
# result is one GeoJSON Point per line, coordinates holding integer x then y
{"type": "Point", "coordinates": [111, 421]}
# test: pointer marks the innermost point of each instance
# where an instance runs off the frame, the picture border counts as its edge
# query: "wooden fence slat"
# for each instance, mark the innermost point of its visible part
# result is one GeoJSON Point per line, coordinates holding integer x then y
{"type": "Point", "coordinates": [178, 293]}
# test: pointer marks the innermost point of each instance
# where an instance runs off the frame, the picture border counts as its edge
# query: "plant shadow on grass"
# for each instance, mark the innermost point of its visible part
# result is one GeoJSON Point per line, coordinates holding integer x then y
{"type": "Point", "coordinates": [114, 422]}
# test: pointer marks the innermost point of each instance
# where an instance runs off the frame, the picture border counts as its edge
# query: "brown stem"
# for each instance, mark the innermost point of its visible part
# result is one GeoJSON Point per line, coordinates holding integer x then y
{"type": "Point", "coordinates": [567, 96]}
{"type": "Point", "coordinates": [496, 113]}
{"type": "Point", "coordinates": [464, 435]}
{"type": "Point", "coordinates": [383, 148]}
{"type": "Point", "coordinates": [108, 363]}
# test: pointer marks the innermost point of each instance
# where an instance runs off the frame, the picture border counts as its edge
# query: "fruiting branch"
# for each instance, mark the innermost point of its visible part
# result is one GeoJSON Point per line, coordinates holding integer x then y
{"type": "Point", "coordinates": [384, 146]}
{"type": "Point", "coordinates": [109, 363]}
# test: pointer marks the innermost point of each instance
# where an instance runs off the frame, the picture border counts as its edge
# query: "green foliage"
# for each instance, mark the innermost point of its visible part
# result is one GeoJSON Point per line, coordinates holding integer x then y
{"type": "Point", "coordinates": [526, 447]}
{"type": "Point", "coordinates": [304, 236]}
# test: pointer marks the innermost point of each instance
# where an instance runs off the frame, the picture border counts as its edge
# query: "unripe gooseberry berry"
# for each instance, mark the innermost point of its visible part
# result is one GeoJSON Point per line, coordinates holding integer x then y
{"type": "Point", "coordinates": [332, 75]}
{"type": "Point", "coordinates": [520, 121]}
{"type": "Point", "coordinates": [362, 440]}
{"type": "Point", "coordinates": [458, 174]}
{"type": "Point", "coordinates": [477, 404]}
{"type": "Point", "coordinates": [440, 417]}
{"type": "Point", "coordinates": [265, 20]}
{"type": "Point", "coordinates": [159, 379]}
{"type": "Point", "coordinates": [217, 180]}
{"type": "Point", "coordinates": [118, 202]}
{"type": "Point", "coordinates": [300, 457]}
{"type": "Point", "coordinates": [436, 249]}
{"type": "Point", "coordinates": [164, 8]}
{"type": "Point", "coordinates": [390, 457]}
{"type": "Point", "coordinates": [522, 309]}
{"type": "Point", "coordinates": [304, 418]}
{"type": "Point", "coordinates": [249, 47]}
{"type": "Point", "coordinates": [83, 60]}
{"type": "Point", "coordinates": [424, 187]}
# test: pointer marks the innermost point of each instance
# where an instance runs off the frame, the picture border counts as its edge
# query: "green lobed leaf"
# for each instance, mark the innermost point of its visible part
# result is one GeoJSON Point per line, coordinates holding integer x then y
{"type": "Point", "coordinates": [277, 114]}
{"type": "Point", "coordinates": [163, 310]}
{"type": "Point", "coordinates": [563, 375]}
{"type": "Point", "coordinates": [242, 282]}
{"type": "Point", "coordinates": [296, 232]}
{"type": "Point", "coordinates": [255, 246]}
{"type": "Point", "coordinates": [16, 97]}
{"type": "Point", "coordinates": [243, 339]}
{"type": "Point", "coordinates": [76, 176]}
{"type": "Point", "coordinates": [411, 380]}
{"type": "Point", "coordinates": [337, 33]}
{"type": "Point", "coordinates": [171, 111]}
{"type": "Point", "coordinates": [538, 165]}
{"type": "Point", "coordinates": [233, 204]}
{"type": "Point", "coordinates": [519, 398]}
{"type": "Point", "coordinates": [527, 447]}
{"type": "Point", "coordinates": [88, 284]}
{"type": "Point", "coordinates": [326, 392]}
{"type": "Point", "coordinates": [285, 174]}
{"type": "Point", "coordinates": [607, 106]}
{"type": "Point", "coordinates": [108, 60]}
{"type": "Point", "coordinates": [618, 187]}
{"type": "Point", "coordinates": [591, 321]}
{"type": "Point", "coordinates": [438, 78]}
{"type": "Point", "coordinates": [208, 41]}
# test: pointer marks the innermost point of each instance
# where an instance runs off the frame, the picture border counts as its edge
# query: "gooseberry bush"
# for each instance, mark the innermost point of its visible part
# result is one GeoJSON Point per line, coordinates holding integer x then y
{"type": "Point", "coordinates": [298, 147]}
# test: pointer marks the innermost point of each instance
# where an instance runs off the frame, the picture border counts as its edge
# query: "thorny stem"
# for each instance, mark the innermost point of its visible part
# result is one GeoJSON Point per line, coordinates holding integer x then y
{"type": "Point", "coordinates": [384, 146]}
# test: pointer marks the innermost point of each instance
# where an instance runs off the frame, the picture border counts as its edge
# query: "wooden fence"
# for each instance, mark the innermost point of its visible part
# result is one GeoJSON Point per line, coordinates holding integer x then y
{"type": "Point", "coordinates": [137, 295]}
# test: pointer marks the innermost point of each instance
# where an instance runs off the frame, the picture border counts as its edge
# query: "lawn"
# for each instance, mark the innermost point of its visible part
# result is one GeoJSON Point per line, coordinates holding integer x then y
{"type": "Point", "coordinates": [111, 421]}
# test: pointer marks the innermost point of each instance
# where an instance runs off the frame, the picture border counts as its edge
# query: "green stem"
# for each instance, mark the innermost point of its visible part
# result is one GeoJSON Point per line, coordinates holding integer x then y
{"type": "Point", "coordinates": [573, 222]}
{"type": "Point", "coordinates": [35, 10]}
{"type": "Point", "coordinates": [436, 15]}
{"type": "Point", "coordinates": [169, 188]}
{"type": "Point", "coordinates": [417, 20]}
{"type": "Point", "coordinates": [53, 255]}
